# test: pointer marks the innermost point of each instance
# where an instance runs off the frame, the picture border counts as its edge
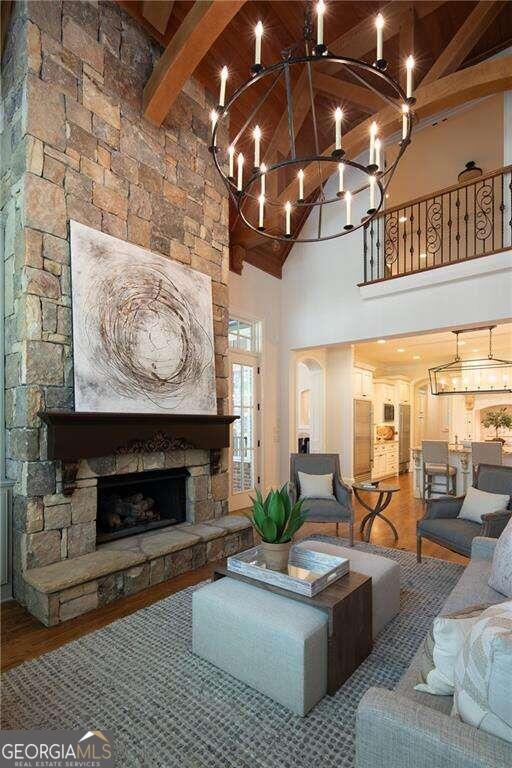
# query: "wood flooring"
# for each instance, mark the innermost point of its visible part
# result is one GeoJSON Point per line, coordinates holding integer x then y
{"type": "Point", "coordinates": [23, 637]}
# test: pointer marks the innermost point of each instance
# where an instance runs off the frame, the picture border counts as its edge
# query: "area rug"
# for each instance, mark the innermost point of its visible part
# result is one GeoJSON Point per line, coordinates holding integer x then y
{"type": "Point", "coordinates": [166, 708]}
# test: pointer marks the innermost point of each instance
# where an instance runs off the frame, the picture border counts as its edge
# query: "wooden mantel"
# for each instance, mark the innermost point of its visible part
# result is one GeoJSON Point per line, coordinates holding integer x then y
{"type": "Point", "coordinates": [74, 435]}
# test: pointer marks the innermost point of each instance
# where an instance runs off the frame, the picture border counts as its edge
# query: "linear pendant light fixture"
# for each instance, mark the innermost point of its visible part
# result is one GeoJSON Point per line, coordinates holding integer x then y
{"type": "Point", "coordinates": [464, 377]}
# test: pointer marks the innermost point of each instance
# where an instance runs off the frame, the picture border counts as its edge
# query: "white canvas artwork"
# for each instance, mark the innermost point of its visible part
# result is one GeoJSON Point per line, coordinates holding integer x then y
{"type": "Point", "coordinates": [142, 329]}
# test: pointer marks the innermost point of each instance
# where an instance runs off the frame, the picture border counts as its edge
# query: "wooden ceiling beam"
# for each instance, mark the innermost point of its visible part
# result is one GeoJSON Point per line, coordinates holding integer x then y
{"type": "Point", "coordinates": [489, 77]}
{"type": "Point", "coordinates": [158, 13]}
{"type": "Point", "coordinates": [200, 28]}
{"type": "Point", "coordinates": [464, 40]}
{"type": "Point", "coordinates": [363, 97]}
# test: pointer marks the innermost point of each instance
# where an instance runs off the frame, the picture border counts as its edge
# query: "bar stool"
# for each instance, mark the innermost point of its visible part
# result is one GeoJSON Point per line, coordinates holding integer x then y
{"type": "Point", "coordinates": [486, 453]}
{"type": "Point", "coordinates": [435, 464]}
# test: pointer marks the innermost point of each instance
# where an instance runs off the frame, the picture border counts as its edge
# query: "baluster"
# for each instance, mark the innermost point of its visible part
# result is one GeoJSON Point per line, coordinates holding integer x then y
{"type": "Point", "coordinates": [474, 218]}
{"type": "Point", "coordinates": [378, 248]}
{"type": "Point", "coordinates": [404, 239]}
{"type": "Point", "coordinates": [411, 240]}
{"type": "Point", "coordinates": [457, 238]}
{"type": "Point", "coordinates": [450, 226]}
{"type": "Point", "coordinates": [510, 208]}
{"type": "Point", "coordinates": [418, 235]}
{"type": "Point", "coordinates": [371, 250]}
{"type": "Point", "coordinates": [502, 210]}
{"type": "Point", "coordinates": [466, 218]}
{"type": "Point", "coordinates": [365, 253]}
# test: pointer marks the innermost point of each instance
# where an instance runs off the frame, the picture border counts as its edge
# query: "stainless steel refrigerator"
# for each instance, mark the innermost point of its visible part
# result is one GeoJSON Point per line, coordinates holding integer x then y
{"type": "Point", "coordinates": [404, 438]}
{"type": "Point", "coordinates": [363, 439]}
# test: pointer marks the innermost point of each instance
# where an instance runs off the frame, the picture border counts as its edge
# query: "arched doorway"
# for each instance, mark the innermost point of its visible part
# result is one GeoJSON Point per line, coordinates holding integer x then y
{"type": "Point", "coordinates": [310, 404]}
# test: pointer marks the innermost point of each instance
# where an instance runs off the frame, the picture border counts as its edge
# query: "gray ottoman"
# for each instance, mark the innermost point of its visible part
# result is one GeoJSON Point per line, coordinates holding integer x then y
{"type": "Point", "coordinates": [385, 574]}
{"type": "Point", "coordinates": [275, 645]}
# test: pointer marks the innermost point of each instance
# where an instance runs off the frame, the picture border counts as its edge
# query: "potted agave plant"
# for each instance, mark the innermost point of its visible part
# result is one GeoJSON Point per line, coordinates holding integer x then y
{"type": "Point", "coordinates": [276, 520]}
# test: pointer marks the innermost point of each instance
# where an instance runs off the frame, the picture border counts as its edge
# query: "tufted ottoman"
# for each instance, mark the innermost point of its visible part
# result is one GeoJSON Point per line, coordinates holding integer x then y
{"type": "Point", "coordinates": [385, 575]}
{"type": "Point", "coordinates": [275, 645]}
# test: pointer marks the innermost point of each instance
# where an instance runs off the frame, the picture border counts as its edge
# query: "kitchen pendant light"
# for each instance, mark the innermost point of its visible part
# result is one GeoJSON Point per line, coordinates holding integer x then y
{"type": "Point", "coordinates": [473, 376]}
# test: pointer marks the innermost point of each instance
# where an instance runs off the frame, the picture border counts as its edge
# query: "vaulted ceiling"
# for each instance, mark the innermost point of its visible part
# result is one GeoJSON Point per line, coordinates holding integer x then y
{"type": "Point", "coordinates": [202, 36]}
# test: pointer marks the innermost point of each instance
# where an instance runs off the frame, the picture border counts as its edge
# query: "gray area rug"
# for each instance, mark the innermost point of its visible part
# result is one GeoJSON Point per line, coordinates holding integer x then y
{"type": "Point", "coordinates": [138, 678]}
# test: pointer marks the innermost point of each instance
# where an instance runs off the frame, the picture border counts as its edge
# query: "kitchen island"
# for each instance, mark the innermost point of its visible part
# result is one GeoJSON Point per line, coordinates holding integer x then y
{"type": "Point", "coordinates": [460, 458]}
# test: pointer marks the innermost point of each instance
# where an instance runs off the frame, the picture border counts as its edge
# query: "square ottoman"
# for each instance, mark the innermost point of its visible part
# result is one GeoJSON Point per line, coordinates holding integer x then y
{"type": "Point", "coordinates": [385, 575]}
{"type": "Point", "coordinates": [275, 645]}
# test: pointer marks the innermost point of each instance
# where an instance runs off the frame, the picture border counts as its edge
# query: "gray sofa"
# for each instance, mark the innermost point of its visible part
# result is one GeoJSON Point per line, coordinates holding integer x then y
{"type": "Point", "coordinates": [404, 728]}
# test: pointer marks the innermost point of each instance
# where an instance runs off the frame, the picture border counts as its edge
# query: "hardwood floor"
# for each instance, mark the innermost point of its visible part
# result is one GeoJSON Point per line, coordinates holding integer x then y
{"type": "Point", "coordinates": [23, 637]}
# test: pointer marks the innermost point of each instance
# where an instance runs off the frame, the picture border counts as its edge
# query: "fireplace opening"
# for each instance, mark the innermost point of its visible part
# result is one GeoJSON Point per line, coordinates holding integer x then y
{"type": "Point", "coordinates": [140, 501]}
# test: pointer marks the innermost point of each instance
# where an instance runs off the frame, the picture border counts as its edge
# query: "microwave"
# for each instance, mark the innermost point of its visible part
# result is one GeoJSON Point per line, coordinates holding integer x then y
{"type": "Point", "coordinates": [389, 412]}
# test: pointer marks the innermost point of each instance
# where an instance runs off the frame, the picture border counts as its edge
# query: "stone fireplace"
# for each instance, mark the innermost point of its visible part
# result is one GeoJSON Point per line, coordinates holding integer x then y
{"type": "Point", "coordinates": [139, 502]}
{"type": "Point", "coordinates": [79, 148]}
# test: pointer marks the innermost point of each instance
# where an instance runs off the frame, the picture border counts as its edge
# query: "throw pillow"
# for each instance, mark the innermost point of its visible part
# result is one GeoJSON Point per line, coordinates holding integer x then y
{"type": "Point", "coordinates": [501, 568]}
{"type": "Point", "coordinates": [316, 486]}
{"type": "Point", "coordinates": [477, 503]}
{"type": "Point", "coordinates": [483, 674]}
{"type": "Point", "coordinates": [441, 648]}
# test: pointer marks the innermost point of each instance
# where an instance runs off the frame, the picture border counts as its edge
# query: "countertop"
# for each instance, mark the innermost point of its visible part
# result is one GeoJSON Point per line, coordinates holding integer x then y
{"type": "Point", "coordinates": [507, 449]}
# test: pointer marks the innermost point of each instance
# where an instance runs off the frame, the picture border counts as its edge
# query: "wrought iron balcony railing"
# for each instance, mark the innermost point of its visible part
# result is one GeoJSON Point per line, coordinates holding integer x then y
{"type": "Point", "coordinates": [462, 222]}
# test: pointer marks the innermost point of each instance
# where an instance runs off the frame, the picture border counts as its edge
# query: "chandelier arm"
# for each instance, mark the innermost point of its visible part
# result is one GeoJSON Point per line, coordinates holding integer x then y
{"type": "Point", "coordinates": [370, 87]}
{"type": "Point", "coordinates": [260, 103]}
{"type": "Point", "coordinates": [289, 104]}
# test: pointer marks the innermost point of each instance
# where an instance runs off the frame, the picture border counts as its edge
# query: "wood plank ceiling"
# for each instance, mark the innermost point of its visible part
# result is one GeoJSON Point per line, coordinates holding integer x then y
{"type": "Point", "coordinates": [444, 36]}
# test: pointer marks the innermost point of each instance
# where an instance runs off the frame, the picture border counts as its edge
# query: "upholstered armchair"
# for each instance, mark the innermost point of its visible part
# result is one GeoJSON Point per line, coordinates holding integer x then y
{"type": "Point", "coordinates": [337, 510]}
{"type": "Point", "coordinates": [442, 526]}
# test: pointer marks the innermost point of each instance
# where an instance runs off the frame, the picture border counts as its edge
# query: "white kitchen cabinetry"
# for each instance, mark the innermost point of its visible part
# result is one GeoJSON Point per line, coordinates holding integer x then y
{"type": "Point", "coordinates": [404, 392]}
{"type": "Point", "coordinates": [384, 394]}
{"type": "Point", "coordinates": [363, 383]}
{"type": "Point", "coordinates": [385, 460]}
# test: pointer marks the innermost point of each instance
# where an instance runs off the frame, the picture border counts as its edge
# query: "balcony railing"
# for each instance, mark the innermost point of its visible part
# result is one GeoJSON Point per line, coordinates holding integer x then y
{"type": "Point", "coordinates": [462, 222]}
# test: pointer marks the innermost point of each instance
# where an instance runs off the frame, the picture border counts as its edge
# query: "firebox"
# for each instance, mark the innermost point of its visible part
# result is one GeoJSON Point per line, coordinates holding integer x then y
{"type": "Point", "coordinates": [140, 501]}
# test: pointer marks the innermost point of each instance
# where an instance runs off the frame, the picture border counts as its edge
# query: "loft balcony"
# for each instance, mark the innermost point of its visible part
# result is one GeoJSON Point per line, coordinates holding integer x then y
{"type": "Point", "coordinates": [456, 224]}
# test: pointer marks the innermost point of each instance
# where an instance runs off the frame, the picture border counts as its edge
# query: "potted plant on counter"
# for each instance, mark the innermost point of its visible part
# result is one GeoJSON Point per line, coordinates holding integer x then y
{"type": "Point", "coordinates": [276, 520]}
{"type": "Point", "coordinates": [499, 419]}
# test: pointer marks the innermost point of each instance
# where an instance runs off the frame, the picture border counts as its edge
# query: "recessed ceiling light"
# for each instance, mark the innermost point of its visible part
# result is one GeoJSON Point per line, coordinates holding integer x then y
{"type": "Point", "coordinates": [387, 195]}
{"type": "Point", "coordinates": [402, 219]}
{"type": "Point", "coordinates": [462, 343]}
{"type": "Point", "coordinates": [400, 349]}
{"type": "Point", "coordinates": [423, 255]}
{"type": "Point", "coordinates": [475, 350]}
{"type": "Point", "coordinates": [381, 341]}
{"type": "Point", "coordinates": [416, 357]}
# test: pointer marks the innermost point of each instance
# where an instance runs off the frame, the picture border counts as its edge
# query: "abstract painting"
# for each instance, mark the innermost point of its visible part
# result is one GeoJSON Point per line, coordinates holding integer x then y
{"type": "Point", "coordinates": [142, 329]}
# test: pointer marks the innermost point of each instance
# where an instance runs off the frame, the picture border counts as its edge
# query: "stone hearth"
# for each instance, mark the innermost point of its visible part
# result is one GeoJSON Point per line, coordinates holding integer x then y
{"type": "Point", "coordinates": [101, 573]}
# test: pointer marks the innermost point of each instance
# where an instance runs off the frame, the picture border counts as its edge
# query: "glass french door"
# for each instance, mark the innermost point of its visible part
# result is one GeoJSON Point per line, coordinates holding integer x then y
{"type": "Point", "coordinates": [244, 441]}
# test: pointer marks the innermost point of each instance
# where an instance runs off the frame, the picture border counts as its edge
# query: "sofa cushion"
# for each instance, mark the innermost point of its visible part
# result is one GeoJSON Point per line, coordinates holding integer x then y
{"type": "Point", "coordinates": [483, 674]}
{"type": "Point", "coordinates": [501, 567]}
{"type": "Point", "coordinates": [477, 503]}
{"type": "Point", "coordinates": [441, 647]}
{"type": "Point", "coordinates": [459, 533]}
{"type": "Point", "coordinates": [316, 486]}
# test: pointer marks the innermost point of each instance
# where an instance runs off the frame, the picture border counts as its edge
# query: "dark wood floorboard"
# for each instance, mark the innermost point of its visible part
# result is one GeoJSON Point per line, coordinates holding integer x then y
{"type": "Point", "coordinates": [23, 637]}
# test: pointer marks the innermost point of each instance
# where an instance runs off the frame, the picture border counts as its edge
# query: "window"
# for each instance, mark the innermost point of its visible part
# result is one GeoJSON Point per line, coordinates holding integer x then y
{"type": "Point", "coordinates": [244, 335]}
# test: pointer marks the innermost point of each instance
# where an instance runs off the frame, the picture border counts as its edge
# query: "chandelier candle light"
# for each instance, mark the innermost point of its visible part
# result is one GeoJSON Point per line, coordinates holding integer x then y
{"type": "Point", "coordinates": [301, 185]}
{"type": "Point", "coordinates": [257, 142]}
{"type": "Point", "coordinates": [240, 164]}
{"type": "Point", "coordinates": [341, 169]}
{"type": "Point", "coordinates": [231, 159]}
{"type": "Point", "coordinates": [314, 163]}
{"type": "Point", "coordinates": [223, 81]}
{"type": "Point", "coordinates": [263, 171]}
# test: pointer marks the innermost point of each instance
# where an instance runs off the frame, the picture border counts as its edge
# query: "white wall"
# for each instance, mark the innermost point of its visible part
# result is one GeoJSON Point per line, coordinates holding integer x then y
{"type": "Point", "coordinates": [255, 295]}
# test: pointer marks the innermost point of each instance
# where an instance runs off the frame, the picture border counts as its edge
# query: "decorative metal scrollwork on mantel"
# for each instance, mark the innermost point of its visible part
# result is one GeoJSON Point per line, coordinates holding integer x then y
{"type": "Point", "coordinates": [155, 444]}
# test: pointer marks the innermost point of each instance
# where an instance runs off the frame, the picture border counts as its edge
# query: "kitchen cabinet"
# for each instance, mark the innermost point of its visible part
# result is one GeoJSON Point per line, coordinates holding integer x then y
{"type": "Point", "coordinates": [385, 460]}
{"type": "Point", "coordinates": [384, 394]}
{"type": "Point", "coordinates": [404, 392]}
{"type": "Point", "coordinates": [362, 383]}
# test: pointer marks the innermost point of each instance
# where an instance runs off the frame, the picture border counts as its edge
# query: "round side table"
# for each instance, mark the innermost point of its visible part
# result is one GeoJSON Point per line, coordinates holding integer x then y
{"type": "Point", "coordinates": [382, 493]}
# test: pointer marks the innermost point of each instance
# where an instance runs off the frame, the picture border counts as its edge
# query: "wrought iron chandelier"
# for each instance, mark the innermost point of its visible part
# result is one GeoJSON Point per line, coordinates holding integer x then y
{"type": "Point", "coordinates": [280, 216]}
{"type": "Point", "coordinates": [466, 377]}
